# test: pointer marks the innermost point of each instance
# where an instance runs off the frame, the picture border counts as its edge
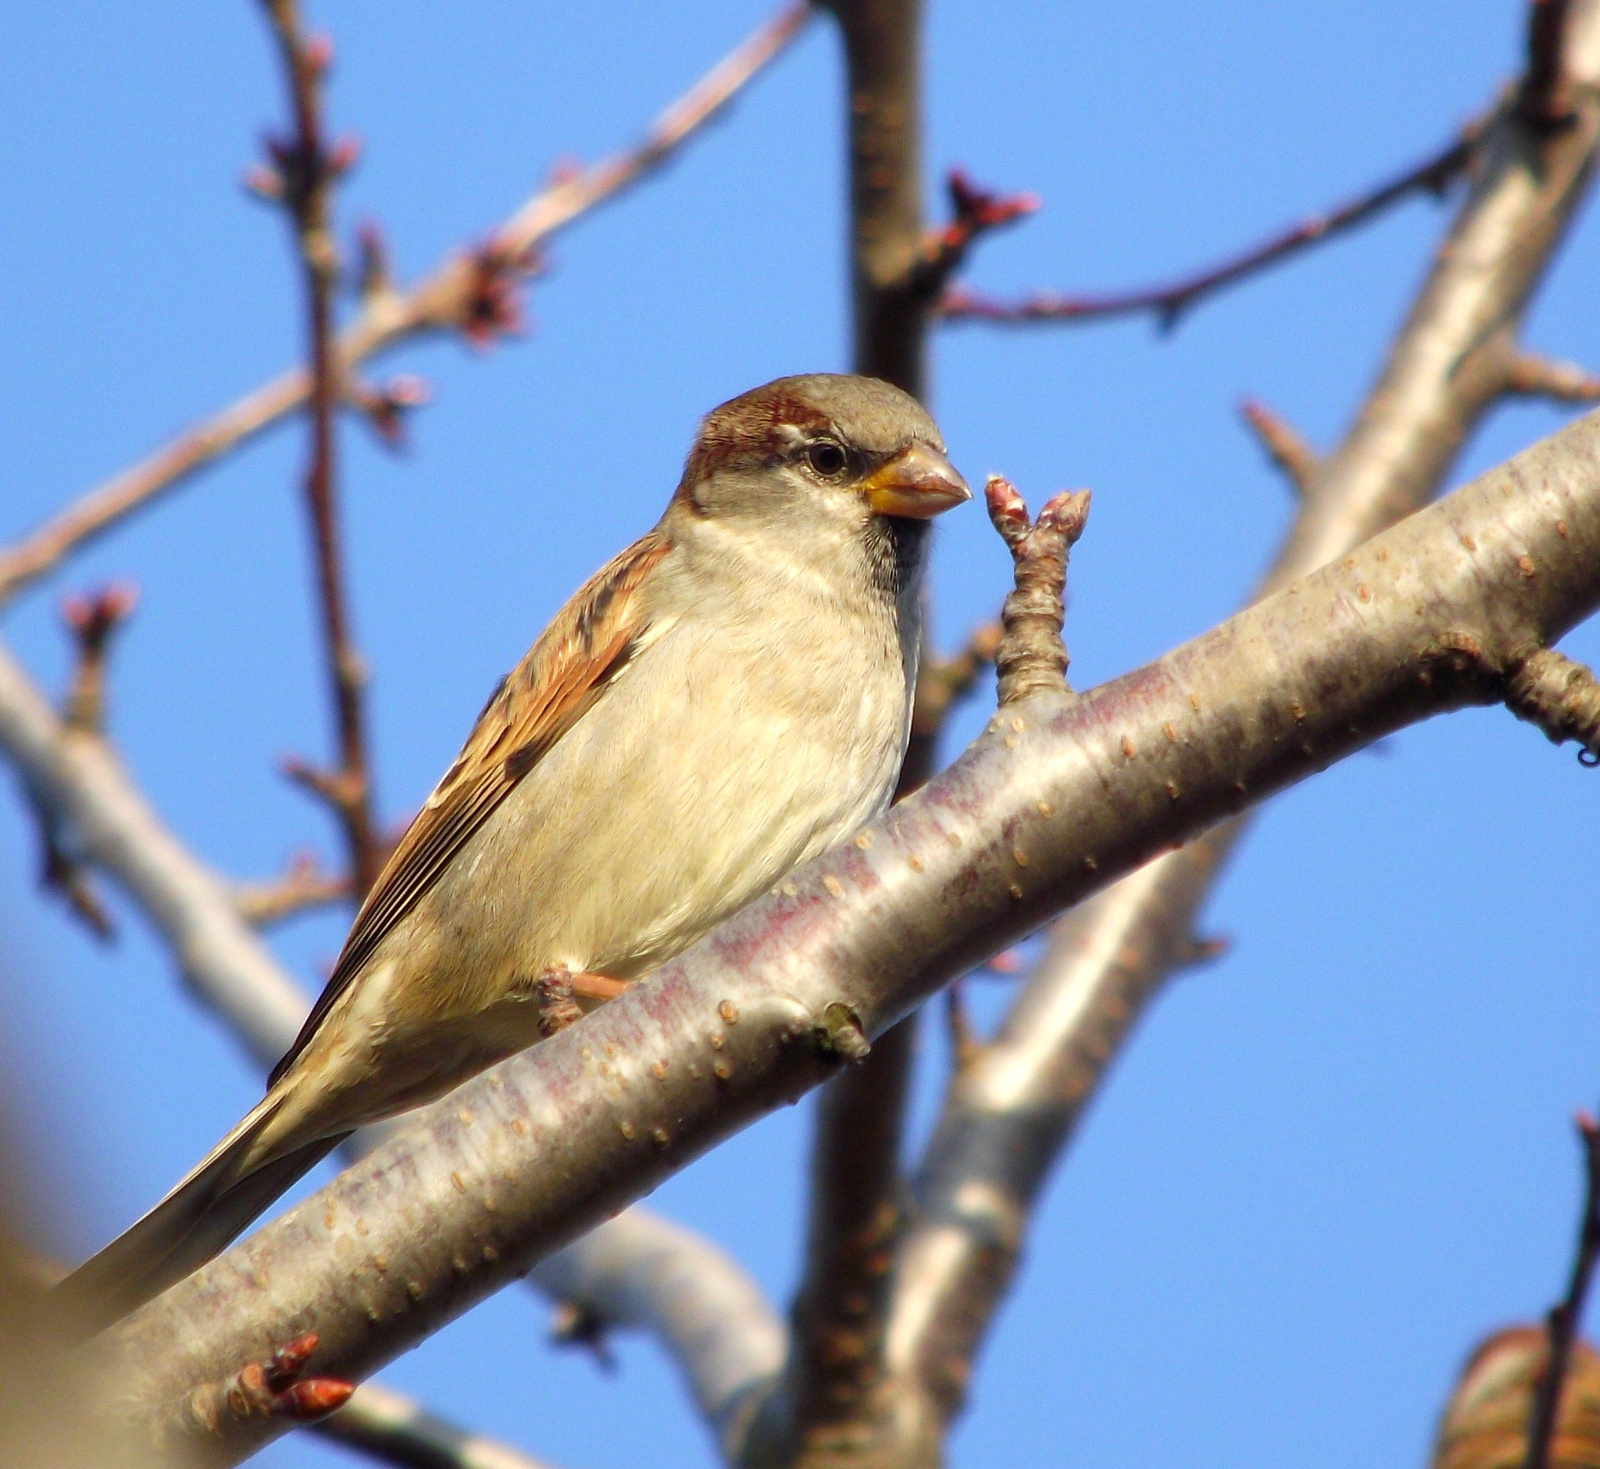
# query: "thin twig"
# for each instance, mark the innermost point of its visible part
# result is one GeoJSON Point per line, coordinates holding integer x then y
{"type": "Point", "coordinates": [304, 170]}
{"type": "Point", "coordinates": [303, 886]}
{"type": "Point", "coordinates": [1561, 1325]}
{"type": "Point", "coordinates": [1170, 301]}
{"type": "Point", "coordinates": [1284, 445]}
{"type": "Point", "coordinates": [974, 212]}
{"type": "Point", "coordinates": [450, 299]}
{"type": "Point", "coordinates": [92, 620]}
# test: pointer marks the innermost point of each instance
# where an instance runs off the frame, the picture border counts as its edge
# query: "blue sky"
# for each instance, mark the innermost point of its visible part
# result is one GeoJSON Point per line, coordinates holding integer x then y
{"type": "Point", "coordinates": [1328, 1164]}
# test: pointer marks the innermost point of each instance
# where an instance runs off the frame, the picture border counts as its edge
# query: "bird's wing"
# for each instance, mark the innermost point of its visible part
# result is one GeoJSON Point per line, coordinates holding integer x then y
{"type": "Point", "coordinates": [588, 644]}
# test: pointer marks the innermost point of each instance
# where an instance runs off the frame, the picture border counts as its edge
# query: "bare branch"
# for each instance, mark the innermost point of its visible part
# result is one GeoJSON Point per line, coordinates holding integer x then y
{"type": "Point", "coordinates": [1561, 1325]}
{"type": "Point", "coordinates": [1561, 697]}
{"type": "Point", "coordinates": [92, 620]}
{"type": "Point", "coordinates": [641, 1271]}
{"type": "Point", "coordinates": [1544, 100]}
{"type": "Point", "coordinates": [77, 778]}
{"type": "Point", "coordinates": [303, 886]}
{"type": "Point", "coordinates": [538, 1149]}
{"type": "Point", "coordinates": [305, 170]}
{"type": "Point", "coordinates": [942, 683]}
{"type": "Point", "coordinates": [883, 81]}
{"type": "Point", "coordinates": [836, 1360]}
{"type": "Point", "coordinates": [1531, 376]}
{"type": "Point", "coordinates": [1284, 445]}
{"type": "Point", "coordinates": [1170, 301]}
{"type": "Point", "coordinates": [451, 299]}
{"type": "Point", "coordinates": [836, 1347]}
{"type": "Point", "coordinates": [974, 212]}
{"type": "Point", "coordinates": [391, 1428]}
{"type": "Point", "coordinates": [1010, 1113]}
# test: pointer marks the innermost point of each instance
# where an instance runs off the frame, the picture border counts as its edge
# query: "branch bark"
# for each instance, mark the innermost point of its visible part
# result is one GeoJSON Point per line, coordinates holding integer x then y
{"type": "Point", "coordinates": [1170, 302]}
{"type": "Point", "coordinates": [642, 1271]}
{"type": "Point", "coordinates": [1011, 1111]}
{"type": "Point", "coordinates": [464, 293]}
{"type": "Point", "coordinates": [836, 1360]}
{"type": "Point", "coordinates": [390, 1428]}
{"type": "Point", "coordinates": [306, 168]}
{"type": "Point", "coordinates": [1058, 797]}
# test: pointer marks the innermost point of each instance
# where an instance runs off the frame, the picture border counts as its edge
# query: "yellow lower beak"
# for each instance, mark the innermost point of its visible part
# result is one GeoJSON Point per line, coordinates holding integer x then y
{"type": "Point", "coordinates": [917, 483]}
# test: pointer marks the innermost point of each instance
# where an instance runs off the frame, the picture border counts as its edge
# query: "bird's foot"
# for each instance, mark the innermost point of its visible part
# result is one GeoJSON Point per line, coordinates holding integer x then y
{"type": "Point", "coordinates": [558, 990]}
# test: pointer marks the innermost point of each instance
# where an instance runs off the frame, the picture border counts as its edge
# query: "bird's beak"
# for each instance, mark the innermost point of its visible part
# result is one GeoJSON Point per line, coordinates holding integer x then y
{"type": "Point", "coordinates": [918, 483]}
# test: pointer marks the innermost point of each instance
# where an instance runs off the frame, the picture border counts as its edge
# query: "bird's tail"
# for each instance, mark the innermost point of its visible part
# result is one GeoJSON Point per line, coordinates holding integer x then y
{"type": "Point", "coordinates": [218, 1199]}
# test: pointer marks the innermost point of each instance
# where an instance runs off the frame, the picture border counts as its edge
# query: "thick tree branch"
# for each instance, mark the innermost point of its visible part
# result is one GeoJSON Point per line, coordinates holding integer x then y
{"type": "Point", "coordinates": [699, 1303]}
{"type": "Point", "coordinates": [1014, 1107]}
{"type": "Point", "coordinates": [467, 292]}
{"type": "Point", "coordinates": [1429, 616]}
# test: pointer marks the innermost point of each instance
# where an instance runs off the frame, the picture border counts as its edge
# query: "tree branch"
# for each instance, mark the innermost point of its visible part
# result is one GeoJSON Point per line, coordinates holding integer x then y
{"type": "Point", "coordinates": [835, 1359]}
{"type": "Point", "coordinates": [465, 293]}
{"type": "Point", "coordinates": [883, 82]}
{"type": "Point", "coordinates": [392, 1429]}
{"type": "Point", "coordinates": [642, 1271]}
{"type": "Point", "coordinates": [304, 170]}
{"type": "Point", "coordinates": [76, 776]}
{"type": "Point", "coordinates": [1429, 616]}
{"type": "Point", "coordinates": [1012, 1110]}
{"type": "Point", "coordinates": [1170, 301]}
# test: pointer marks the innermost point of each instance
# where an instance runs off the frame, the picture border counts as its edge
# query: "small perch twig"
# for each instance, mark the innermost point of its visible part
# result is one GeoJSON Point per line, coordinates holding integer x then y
{"type": "Point", "coordinates": [93, 620]}
{"type": "Point", "coordinates": [1561, 1325]}
{"type": "Point", "coordinates": [1031, 657]}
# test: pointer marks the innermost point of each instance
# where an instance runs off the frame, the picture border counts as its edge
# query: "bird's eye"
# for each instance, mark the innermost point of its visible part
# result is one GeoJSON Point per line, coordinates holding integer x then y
{"type": "Point", "coordinates": [825, 458]}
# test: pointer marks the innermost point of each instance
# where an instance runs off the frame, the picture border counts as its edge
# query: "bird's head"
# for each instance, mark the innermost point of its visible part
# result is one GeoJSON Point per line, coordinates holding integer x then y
{"type": "Point", "coordinates": [823, 450]}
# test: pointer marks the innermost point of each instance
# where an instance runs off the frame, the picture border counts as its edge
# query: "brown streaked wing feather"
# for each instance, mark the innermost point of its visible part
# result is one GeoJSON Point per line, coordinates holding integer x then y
{"type": "Point", "coordinates": [590, 641]}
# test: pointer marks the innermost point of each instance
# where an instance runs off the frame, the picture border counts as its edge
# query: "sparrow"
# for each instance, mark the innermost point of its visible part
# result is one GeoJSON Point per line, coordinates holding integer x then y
{"type": "Point", "coordinates": [720, 703]}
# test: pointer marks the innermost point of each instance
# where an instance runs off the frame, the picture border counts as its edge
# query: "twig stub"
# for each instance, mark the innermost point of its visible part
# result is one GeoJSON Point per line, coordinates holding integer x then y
{"type": "Point", "coordinates": [1031, 658]}
{"type": "Point", "coordinates": [1561, 697]}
